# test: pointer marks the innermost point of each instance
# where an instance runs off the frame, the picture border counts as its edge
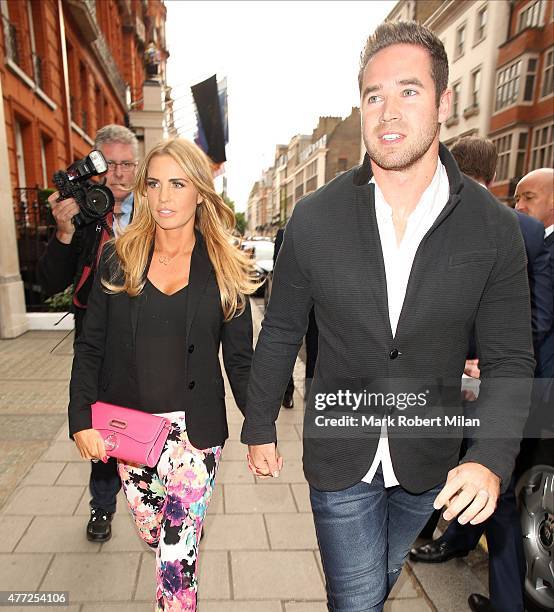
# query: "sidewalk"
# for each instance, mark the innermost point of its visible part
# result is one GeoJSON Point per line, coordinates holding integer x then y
{"type": "Point", "coordinates": [259, 553]}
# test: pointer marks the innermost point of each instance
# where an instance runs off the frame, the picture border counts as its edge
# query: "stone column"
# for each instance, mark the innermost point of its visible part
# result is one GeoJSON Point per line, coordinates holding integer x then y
{"type": "Point", "coordinates": [13, 319]}
{"type": "Point", "coordinates": [149, 122]}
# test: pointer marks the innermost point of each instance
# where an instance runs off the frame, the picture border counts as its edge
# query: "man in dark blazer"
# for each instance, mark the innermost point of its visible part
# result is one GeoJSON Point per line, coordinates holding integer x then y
{"type": "Point", "coordinates": [401, 258]}
{"type": "Point", "coordinates": [477, 158]}
{"type": "Point", "coordinates": [70, 259]}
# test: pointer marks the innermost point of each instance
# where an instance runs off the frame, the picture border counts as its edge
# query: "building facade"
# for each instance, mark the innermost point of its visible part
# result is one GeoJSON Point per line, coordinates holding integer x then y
{"type": "Point", "coordinates": [522, 121]}
{"type": "Point", "coordinates": [302, 166]}
{"type": "Point", "coordinates": [68, 67]}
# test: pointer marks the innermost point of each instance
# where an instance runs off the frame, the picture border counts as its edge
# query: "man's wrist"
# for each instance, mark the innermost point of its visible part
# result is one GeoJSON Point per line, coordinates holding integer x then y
{"type": "Point", "coordinates": [64, 237]}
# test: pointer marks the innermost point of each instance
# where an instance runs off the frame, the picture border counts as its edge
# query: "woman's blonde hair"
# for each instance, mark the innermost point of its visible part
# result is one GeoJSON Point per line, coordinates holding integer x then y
{"type": "Point", "coordinates": [234, 270]}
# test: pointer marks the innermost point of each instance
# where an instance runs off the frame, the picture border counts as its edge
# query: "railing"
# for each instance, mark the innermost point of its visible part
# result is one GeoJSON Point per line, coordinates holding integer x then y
{"type": "Point", "coordinates": [34, 226]}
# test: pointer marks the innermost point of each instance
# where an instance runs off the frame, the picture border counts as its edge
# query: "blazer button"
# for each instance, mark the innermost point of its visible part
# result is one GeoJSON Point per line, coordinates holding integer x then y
{"type": "Point", "coordinates": [191, 348]}
{"type": "Point", "coordinates": [394, 353]}
{"type": "Point", "coordinates": [191, 384]}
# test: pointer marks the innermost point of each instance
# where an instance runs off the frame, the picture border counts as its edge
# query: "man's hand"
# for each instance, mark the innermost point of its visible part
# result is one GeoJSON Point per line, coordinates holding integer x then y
{"type": "Point", "coordinates": [471, 486]}
{"type": "Point", "coordinates": [90, 444]}
{"type": "Point", "coordinates": [63, 212]}
{"type": "Point", "coordinates": [264, 460]}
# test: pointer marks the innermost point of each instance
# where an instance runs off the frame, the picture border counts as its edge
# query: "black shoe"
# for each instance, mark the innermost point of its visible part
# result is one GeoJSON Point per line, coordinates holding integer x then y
{"type": "Point", "coordinates": [99, 528]}
{"type": "Point", "coordinates": [479, 603]}
{"type": "Point", "coordinates": [288, 401]}
{"type": "Point", "coordinates": [438, 551]}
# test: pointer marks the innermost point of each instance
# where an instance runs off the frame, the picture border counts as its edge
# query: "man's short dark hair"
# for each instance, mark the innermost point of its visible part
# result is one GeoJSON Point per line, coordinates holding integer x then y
{"type": "Point", "coordinates": [476, 157]}
{"type": "Point", "coordinates": [408, 33]}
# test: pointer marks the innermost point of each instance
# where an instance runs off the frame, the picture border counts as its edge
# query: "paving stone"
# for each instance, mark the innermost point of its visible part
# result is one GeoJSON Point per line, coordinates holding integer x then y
{"type": "Point", "coordinates": [291, 450]}
{"type": "Point", "coordinates": [75, 474]}
{"type": "Point", "coordinates": [83, 509]}
{"type": "Point", "coordinates": [305, 606]}
{"type": "Point", "coordinates": [22, 572]}
{"type": "Point", "coordinates": [16, 459]}
{"type": "Point", "coordinates": [43, 473]}
{"type": "Point", "coordinates": [146, 584]}
{"type": "Point", "coordinates": [301, 494]}
{"type": "Point", "coordinates": [125, 537]}
{"type": "Point", "coordinates": [30, 426]}
{"type": "Point", "coordinates": [11, 530]}
{"type": "Point", "coordinates": [62, 451]}
{"type": "Point", "coordinates": [44, 501]}
{"type": "Point", "coordinates": [115, 607]}
{"type": "Point", "coordinates": [292, 472]}
{"type": "Point", "coordinates": [239, 606]}
{"type": "Point", "coordinates": [276, 575]}
{"type": "Point", "coordinates": [287, 431]}
{"type": "Point", "coordinates": [216, 505]}
{"type": "Point", "coordinates": [56, 534]}
{"type": "Point", "coordinates": [234, 472]}
{"type": "Point", "coordinates": [86, 576]}
{"type": "Point", "coordinates": [240, 499]}
{"type": "Point", "coordinates": [235, 532]}
{"type": "Point", "coordinates": [291, 531]}
{"type": "Point", "coordinates": [33, 397]}
{"type": "Point", "coordinates": [405, 587]}
{"type": "Point", "coordinates": [413, 605]}
{"type": "Point", "coordinates": [234, 450]}
{"type": "Point", "coordinates": [75, 608]}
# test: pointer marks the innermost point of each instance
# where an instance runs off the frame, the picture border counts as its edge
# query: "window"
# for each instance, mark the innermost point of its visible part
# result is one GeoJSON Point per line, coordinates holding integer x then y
{"type": "Point", "coordinates": [548, 73]}
{"type": "Point", "coordinates": [475, 84]}
{"type": "Point", "coordinates": [460, 40]}
{"type": "Point", "coordinates": [507, 86]}
{"type": "Point", "coordinates": [481, 25]}
{"type": "Point", "coordinates": [520, 154]}
{"type": "Point", "coordinates": [530, 80]}
{"type": "Point", "coordinates": [531, 16]}
{"type": "Point", "coordinates": [541, 147]}
{"type": "Point", "coordinates": [503, 147]}
{"type": "Point", "coordinates": [456, 89]}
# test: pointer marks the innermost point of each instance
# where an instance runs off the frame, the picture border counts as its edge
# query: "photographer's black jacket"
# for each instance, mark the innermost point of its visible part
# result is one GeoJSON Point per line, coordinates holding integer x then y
{"type": "Point", "coordinates": [104, 366]}
{"type": "Point", "coordinates": [61, 265]}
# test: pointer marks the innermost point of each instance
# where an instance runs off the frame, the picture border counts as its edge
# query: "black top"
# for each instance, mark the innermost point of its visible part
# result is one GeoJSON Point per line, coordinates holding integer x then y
{"type": "Point", "coordinates": [161, 342]}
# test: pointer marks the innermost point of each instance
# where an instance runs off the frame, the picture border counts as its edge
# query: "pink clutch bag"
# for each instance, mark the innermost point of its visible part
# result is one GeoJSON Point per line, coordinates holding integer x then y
{"type": "Point", "coordinates": [130, 435]}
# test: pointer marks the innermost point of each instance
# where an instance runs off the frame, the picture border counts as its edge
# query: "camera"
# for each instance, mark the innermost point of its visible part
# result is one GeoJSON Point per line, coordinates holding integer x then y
{"type": "Point", "coordinates": [95, 201]}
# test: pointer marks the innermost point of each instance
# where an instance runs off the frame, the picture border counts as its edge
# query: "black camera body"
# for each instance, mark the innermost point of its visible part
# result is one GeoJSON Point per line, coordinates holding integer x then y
{"type": "Point", "coordinates": [95, 201]}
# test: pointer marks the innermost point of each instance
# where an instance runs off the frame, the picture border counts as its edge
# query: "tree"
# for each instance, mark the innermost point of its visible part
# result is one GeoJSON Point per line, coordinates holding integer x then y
{"type": "Point", "coordinates": [240, 219]}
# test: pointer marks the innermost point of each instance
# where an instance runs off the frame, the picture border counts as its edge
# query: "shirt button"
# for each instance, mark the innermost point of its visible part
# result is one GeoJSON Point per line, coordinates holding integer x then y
{"type": "Point", "coordinates": [191, 348]}
{"type": "Point", "coordinates": [394, 353]}
{"type": "Point", "coordinates": [191, 384]}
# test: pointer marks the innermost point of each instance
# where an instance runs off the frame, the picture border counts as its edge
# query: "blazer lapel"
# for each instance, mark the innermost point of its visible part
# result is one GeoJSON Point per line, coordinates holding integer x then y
{"type": "Point", "coordinates": [200, 271]}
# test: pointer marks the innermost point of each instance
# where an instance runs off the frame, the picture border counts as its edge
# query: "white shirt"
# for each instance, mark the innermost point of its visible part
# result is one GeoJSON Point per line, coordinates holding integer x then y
{"type": "Point", "coordinates": [398, 261]}
{"type": "Point", "coordinates": [548, 231]}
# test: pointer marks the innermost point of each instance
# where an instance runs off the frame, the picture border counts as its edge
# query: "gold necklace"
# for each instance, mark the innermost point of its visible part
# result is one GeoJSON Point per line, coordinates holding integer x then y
{"type": "Point", "coordinates": [165, 260]}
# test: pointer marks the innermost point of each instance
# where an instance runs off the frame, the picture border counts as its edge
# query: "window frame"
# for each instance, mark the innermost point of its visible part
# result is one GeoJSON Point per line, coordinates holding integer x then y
{"type": "Point", "coordinates": [457, 54]}
{"type": "Point", "coordinates": [484, 8]}
{"type": "Point", "coordinates": [522, 76]}
{"type": "Point", "coordinates": [549, 145]}
{"type": "Point", "coordinates": [550, 67]}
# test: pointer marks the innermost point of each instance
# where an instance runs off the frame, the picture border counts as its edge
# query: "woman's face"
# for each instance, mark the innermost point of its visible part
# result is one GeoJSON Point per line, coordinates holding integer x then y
{"type": "Point", "coordinates": [172, 197]}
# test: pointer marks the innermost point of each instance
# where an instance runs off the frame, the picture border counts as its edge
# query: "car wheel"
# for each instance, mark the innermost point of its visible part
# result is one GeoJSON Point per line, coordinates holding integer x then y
{"type": "Point", "coordinates": [535, 497]}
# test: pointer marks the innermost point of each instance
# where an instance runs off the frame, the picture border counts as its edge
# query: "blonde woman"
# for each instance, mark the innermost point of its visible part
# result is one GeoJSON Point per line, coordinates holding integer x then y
{"type": "Point", "coordinates": [170, 290]}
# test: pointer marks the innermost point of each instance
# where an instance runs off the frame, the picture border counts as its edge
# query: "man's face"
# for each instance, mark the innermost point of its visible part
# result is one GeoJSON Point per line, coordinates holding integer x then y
{"type": "Point", "coordinates": [121, 169]}
{"type": "Point", "coordinates": [534, 196]}
{"type": "Point", "coordinates": [400, 118]}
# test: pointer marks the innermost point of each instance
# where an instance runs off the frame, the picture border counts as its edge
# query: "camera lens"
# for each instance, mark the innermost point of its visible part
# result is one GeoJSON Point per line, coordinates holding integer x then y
{"type": "Point", "coordinates": [99, 201]}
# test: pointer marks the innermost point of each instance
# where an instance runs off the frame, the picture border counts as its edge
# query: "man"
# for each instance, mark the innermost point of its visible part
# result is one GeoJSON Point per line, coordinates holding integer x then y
{"type": "Point", "coordinates": [67, 258]}
{"type": "Point", "coordinates": [384, 252]}
{"type": "Point", "coordinates": [477, 157]}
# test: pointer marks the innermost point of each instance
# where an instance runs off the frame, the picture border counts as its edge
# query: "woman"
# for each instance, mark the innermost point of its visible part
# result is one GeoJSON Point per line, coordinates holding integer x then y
{"type": "Point", "coordinates": [168, 292]}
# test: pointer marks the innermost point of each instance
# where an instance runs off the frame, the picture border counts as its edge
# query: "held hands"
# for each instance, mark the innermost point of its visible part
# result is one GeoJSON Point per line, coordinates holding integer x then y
{"type": "Point", "coordinates": [470, 487]}
{"type": "Point", "coordinates": [264, 460]}
{"type": "Point", "coordinates": [63, 212]}
{"type": "Point", "coordinates": [90, 444]}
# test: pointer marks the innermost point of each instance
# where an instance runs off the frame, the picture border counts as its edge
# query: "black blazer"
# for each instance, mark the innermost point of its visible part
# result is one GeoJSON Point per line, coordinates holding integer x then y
{"type": "Point", "coordinates": [469, 272]}
{"type": "Point", "coordinates": [104, 363]}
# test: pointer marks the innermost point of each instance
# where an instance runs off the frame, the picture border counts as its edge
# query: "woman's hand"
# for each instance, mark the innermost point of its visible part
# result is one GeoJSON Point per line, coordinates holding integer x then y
{"type": "Point", "coordinates": [90, 444]}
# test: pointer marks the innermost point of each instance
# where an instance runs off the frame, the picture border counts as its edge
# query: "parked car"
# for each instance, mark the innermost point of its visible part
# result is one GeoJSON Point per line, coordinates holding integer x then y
{"type": "Point", "coordinates": [261, 250]}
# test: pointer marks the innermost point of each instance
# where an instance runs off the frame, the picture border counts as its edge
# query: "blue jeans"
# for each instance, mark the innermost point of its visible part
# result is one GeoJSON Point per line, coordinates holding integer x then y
{"type": "Point", "coordinates": [364, 535]}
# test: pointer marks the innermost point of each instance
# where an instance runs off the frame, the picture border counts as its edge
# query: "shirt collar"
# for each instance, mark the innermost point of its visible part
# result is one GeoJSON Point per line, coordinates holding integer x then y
{"type": "Point", "coordinates": [548, 231]}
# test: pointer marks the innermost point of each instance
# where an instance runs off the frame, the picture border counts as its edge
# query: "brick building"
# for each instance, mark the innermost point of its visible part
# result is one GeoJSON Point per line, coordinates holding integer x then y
{"type": "Point", "coordinates": [68, 67]}
{"type": "Point", "coordinates": [522, 121]}
{"type": "Point", "coordinates": [302, 166]}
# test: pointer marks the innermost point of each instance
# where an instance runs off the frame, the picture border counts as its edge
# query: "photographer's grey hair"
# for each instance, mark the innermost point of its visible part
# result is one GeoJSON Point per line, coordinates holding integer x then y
{"type": "Point", "coordinates": [116, 133]}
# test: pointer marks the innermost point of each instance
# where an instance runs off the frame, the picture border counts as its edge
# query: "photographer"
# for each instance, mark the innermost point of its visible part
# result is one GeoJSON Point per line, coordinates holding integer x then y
{"type": "Point", "coordinates": [67, 259]}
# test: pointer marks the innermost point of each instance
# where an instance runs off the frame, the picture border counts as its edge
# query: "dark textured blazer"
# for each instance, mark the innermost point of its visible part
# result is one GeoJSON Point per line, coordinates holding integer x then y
{"type": "Point", "coordinates": [546, 348]}
{"type": "Point", "coordinates": [469, 272]}
{"type": "Point", "coordinates": [104, 363]}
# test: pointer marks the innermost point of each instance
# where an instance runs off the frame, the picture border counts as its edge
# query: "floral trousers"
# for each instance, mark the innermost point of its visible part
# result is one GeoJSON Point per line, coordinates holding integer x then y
{"type": "Point", "coordinates": [168, 504]}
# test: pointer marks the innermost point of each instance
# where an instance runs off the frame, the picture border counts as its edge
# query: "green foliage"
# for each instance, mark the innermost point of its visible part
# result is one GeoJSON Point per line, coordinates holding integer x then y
{"type": "Point", "coordinates": [60, 302]}
{"type": "Point", "coordinates": [240, 222]}
{"type": "Point", "coordinates": [230, 203]}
